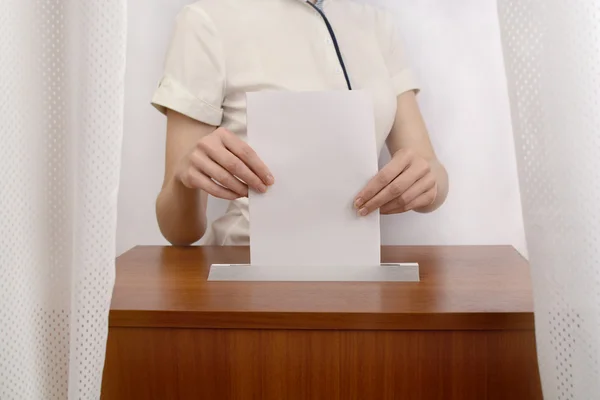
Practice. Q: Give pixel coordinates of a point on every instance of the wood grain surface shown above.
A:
(461, 288)
(465, 332)
(164, 364)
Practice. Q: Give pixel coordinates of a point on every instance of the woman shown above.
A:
(222, 49)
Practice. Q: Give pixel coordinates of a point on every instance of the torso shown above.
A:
(285, 45)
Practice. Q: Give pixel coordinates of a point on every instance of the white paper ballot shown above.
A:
(321, 149)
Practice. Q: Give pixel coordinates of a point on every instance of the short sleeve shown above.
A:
(194, 71)
(394, 54)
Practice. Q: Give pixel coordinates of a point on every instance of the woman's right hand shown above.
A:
(224, 158)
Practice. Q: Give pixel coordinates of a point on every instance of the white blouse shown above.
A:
(222, 49)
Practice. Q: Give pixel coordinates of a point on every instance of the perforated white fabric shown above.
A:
(61, 99)
(552, 55)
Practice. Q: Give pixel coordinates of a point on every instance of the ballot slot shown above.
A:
(389, 272)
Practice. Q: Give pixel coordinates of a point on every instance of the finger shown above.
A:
(213, 170)
(425, 200)
(395, 189)
(417, 189)
(383, 179)
(392, 211)
(196, 179)
(236, 167)
(245, 153)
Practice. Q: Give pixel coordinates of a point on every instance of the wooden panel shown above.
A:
(164, 364)
(480, 287)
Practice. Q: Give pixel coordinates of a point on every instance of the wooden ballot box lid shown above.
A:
(461, 288)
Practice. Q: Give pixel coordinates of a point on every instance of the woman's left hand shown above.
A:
(405, 183)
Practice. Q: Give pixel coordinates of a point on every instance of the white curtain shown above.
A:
(62, 66)
(552, 56)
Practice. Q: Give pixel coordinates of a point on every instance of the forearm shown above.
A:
(442, 187)
(181, 213)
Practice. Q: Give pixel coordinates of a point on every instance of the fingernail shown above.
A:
(270, 179)
(262, 189)
(358, 202)
(363, 212)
